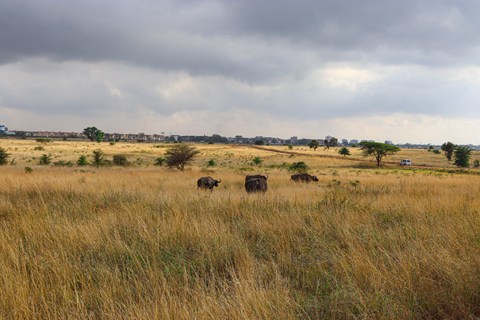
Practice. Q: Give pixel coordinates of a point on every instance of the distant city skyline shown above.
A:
(380, 70)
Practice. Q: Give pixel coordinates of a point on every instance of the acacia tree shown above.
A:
(448, 148)
(462, 156)
(93, 133)
(314, 144)
(378, 150)
(180, 155)
(344, 151)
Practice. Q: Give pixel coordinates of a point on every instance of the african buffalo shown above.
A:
(303, 177)
(255, 176)
(256, 183)
(208, 183)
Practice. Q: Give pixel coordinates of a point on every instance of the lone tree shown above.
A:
(180, 155)
(314, 144)
(462, 156)
(344, 151)
(378, 150)
(326, 143)
(333, 142)
(448, 148)
(93, 133)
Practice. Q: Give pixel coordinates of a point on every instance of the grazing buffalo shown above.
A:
(255, 176)
(256, 183)
(208, 183)
(303, 177)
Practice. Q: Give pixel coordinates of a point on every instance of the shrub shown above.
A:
(3, 156)
(39, 148)
(211, 163)
(28, 170)
(112, 143)
(62, 163)
(82, 160)
(436, 151)
(159, 161)
(300, 167)
(476, 163)
(98, 157)
(45, 159)
(290, 147)
(120, 159)
(43, 140)
(257, 161)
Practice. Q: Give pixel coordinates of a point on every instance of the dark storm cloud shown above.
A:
(221, 63)
(246, 40)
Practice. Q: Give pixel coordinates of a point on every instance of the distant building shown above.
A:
(294, 139)
(344, 142)
(354, 141)
(388, 142)
(328, 138)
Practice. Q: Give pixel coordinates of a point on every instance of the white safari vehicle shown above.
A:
(406, 162)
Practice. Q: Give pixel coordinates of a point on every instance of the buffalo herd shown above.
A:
(253, 183)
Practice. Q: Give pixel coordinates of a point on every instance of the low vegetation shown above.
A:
(363, 242)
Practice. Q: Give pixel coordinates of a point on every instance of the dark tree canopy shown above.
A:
(314, 144)
(462, 156)
(448, 148)
(180, 155)
(344, 151)
(378, 150)
(333, 142)
(326, 143)
(93, 133)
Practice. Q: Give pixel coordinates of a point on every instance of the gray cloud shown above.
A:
(289, 62)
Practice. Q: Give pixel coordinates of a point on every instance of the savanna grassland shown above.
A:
(141, 242)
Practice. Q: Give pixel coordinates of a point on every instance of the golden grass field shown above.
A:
(142, 242)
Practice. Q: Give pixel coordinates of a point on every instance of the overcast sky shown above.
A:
(406, 71)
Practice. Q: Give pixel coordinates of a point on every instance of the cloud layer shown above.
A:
(275, 68)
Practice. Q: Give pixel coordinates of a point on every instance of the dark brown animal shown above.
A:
(256, 183)
(303, 177)
(207, 183)
(255, 176)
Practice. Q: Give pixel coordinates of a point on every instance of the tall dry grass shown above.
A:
(143, 242)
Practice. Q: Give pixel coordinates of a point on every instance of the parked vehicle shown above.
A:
(406, 162)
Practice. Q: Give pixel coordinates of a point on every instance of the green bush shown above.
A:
(257, 161)
(159, 161)
(82, 160)
(45, 159)
(62, 163)
(476, 163)
(120, 159)
(211, 163)
(43, 140)
(300, 167)
(98, 158)
(3, 156)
